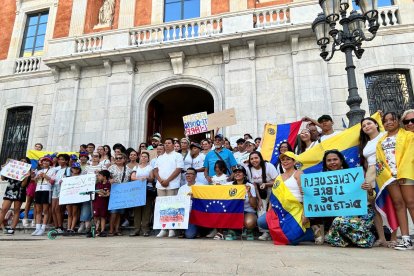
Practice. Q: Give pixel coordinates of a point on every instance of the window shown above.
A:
(380, 3)
(34, 34)
(181, 9)
(389, 91)
(16, 133)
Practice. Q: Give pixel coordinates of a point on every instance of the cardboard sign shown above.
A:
(127, 195)
(334, 193)
(221, 119)
(172, 212)
(72, 187)
(195, 123)
(15, 169)
(152, 153)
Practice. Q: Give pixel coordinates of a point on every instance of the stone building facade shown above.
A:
(157, 61)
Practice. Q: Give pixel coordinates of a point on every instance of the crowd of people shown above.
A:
(181, 163)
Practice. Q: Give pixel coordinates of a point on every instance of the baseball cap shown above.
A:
(251, 141)
(219, 136)
(239, 168)
(197, 145)
(290, 155)
(325, 118)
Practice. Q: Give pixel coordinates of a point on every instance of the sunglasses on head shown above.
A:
(406, 122)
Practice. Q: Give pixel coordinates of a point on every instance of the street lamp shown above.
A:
(347, 39)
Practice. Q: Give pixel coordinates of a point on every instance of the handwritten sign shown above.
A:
(72, 187)
(195, 123)
(172, 212)
(334, 193)
(127, 195)
(15, 169)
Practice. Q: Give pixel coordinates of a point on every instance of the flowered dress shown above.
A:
(352, 230)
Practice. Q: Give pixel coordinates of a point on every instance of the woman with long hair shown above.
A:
(283, 147)
(305, 141)
(395, 159)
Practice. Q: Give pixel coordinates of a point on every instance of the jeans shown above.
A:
(191, 232)
(262, 223)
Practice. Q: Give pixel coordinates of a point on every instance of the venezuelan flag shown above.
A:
(274, 135)
(346, 142)
(218, 206)
(285, 217)
(35, 155)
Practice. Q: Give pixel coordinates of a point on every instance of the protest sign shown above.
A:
(195, 123)
(334, 193)
(127, 195)
(15, 169)
(72, 187)
(172, 212)
(221, 119)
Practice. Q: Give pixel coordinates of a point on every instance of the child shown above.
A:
(73, 210)
(100, 205)
(220, 178)
(43, 194)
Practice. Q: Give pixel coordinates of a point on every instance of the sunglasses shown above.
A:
(406, 122)
(119, 158)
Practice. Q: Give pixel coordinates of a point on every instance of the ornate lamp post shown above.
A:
(347, 39)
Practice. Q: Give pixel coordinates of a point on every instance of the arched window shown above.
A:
(16, 133)
(389, 90)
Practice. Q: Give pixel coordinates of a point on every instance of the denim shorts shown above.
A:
(86, 212)
(118, 211)
(56, 190)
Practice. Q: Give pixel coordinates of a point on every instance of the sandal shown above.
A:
(392, 244)
(249, 235)
(218, 236)
(110, 234)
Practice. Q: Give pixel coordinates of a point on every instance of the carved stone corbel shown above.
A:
(294, 43)
(130, 65)
(108, 67)
(226, 52)
(76, 71)
(252, 49)
(55, 72)
(177, 62)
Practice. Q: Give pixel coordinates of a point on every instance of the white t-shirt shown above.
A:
(247, 207)
(239, 156)
(42, 183)
(196, 163)
(93, 169)
(167, 164)
(61, 173)
(220, 179)
(256, 175)
(184, 190)
(143, 172)
(324, 137)
(388, 146)
(370, 149)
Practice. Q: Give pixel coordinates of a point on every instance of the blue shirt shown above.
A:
(211, 159)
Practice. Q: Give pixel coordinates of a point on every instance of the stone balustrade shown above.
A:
(88, 43)
(26, 65)
(388, 16)
(271, 17)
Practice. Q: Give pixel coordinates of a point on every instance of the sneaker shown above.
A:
(212, 234)
(5, 230)
(125, 224)
(404, 244)
(249, 235)
(60, 230)
(34, 233)
(25, 222)
(264, 237)
(103, 234)
(10, 231)
(162, 234)
(81, 227)
(39, 232)
(171, 233)
(33, 223)
(231, 236)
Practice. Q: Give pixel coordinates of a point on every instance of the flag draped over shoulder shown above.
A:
(35, 155)
(285, 218)
(274, 135)
(346, 142)
(218, 206)
(404, 155)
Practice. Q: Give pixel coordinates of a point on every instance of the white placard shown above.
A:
(172, 212)
(15, 169)
(72, 187)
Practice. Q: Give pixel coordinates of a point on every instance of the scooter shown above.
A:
(53, 234)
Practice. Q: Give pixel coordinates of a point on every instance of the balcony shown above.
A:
(194, 36)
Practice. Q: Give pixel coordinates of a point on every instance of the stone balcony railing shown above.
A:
(26, 65)
(388, 16)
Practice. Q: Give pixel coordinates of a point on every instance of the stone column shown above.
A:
(126, 14)
(205, 8)
(78, 17)
(157, 15)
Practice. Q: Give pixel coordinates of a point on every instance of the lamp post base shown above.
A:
(355, 116)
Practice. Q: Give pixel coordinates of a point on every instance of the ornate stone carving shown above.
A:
(106, 14)
(177, 62)
(108, 67)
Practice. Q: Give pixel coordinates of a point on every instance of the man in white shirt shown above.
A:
(241, 150)
(167, 172)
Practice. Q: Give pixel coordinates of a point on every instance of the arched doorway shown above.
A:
(165, 111)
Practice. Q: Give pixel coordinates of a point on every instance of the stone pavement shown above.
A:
(25, 255)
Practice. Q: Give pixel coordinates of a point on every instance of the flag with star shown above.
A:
(274, 135)
(218, 206)
(346, 142)
(285, 218)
